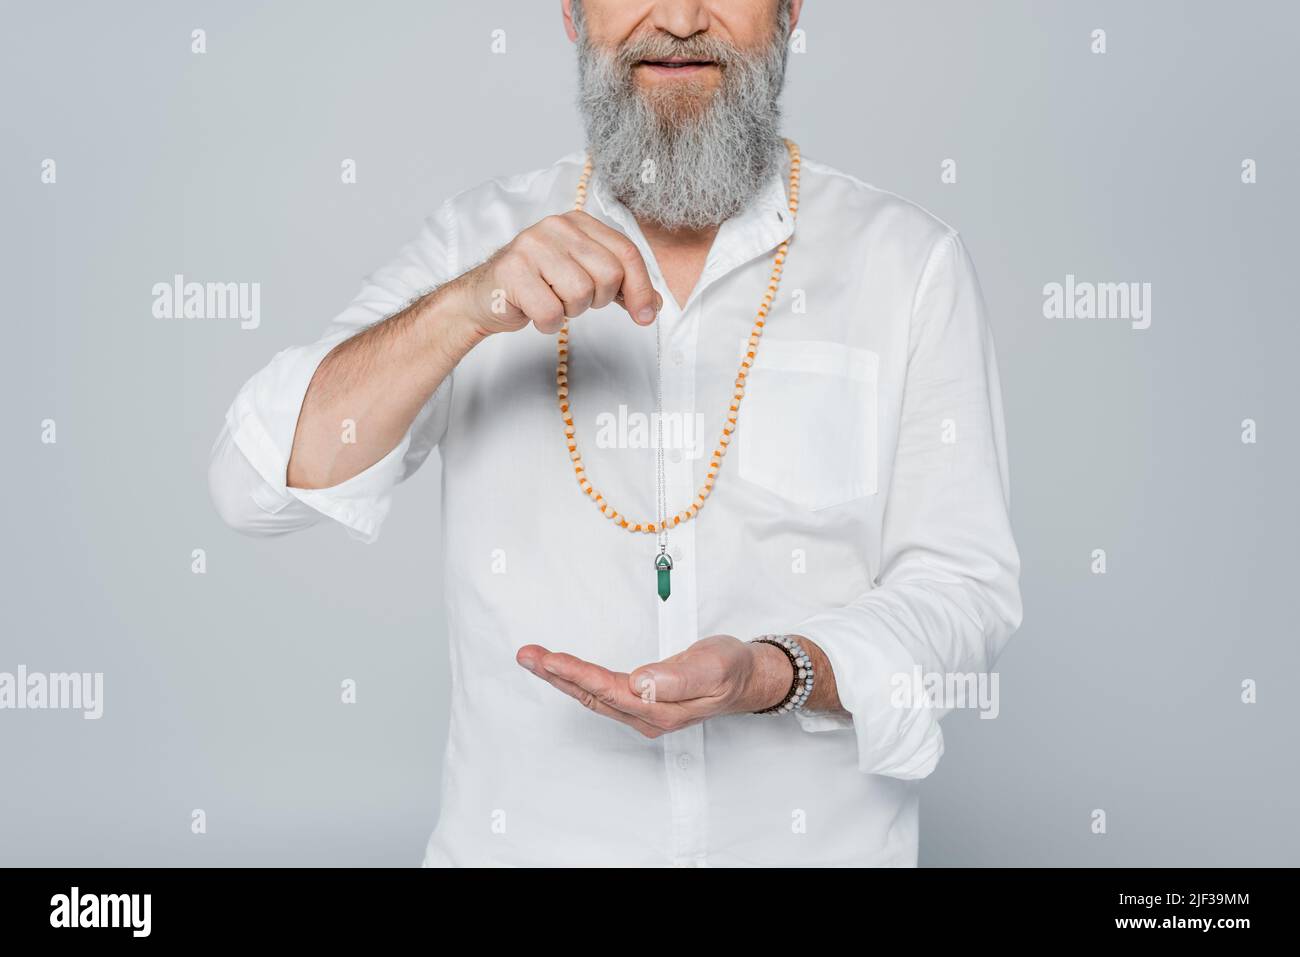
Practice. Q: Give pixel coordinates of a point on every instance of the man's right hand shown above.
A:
(557, 268)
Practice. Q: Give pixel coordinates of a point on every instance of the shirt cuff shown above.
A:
(895, 738)
(262, 422)
(814, 721)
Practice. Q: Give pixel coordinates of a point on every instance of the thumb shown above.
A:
(658, 304)
(668, 681)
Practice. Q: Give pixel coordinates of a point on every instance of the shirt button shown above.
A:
(684, 762)
(675, 455)
(678, 357)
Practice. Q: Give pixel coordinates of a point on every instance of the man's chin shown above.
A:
(679, 100)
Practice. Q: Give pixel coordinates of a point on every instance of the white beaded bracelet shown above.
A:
(801, 686)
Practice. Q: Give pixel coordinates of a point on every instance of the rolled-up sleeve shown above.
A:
(247, 472)
(947, 598)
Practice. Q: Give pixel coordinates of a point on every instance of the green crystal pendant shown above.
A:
(664, 568)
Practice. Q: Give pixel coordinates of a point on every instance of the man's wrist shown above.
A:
(772, 675)
(447, 318)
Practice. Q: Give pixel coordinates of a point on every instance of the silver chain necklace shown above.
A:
(663, 562)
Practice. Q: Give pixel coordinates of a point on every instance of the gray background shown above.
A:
(1122, 691)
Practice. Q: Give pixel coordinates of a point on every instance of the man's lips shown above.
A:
(675, 66)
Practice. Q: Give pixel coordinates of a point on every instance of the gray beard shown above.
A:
(668, 159)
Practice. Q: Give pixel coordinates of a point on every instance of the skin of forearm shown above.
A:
(378, 379)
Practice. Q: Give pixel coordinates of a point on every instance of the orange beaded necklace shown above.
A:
(663, 563)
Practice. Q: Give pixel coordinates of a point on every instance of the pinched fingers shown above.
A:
(636, 293)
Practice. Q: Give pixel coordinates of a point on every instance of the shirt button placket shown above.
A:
(678, 619)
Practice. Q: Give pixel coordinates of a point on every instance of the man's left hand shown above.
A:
(715, 676)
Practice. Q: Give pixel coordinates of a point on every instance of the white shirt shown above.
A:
(863, 504)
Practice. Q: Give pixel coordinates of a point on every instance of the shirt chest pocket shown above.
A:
(807, 426)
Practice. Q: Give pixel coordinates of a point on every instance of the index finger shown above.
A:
(611, 687)
(638, 292)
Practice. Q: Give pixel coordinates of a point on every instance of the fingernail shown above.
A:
(645, 316)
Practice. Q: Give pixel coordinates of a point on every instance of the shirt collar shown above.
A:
(760, 227)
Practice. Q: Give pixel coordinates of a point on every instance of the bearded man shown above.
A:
(739, 611)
